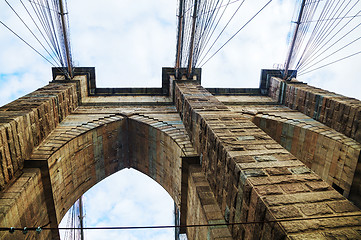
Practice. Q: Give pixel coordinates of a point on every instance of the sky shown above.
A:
(128, 42)
(128, 198)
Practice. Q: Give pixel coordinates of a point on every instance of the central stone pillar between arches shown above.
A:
(254, 179)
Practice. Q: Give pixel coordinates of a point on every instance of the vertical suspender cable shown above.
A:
(180, 38)
(81, 218)
(65, 35)
(294, 39)
(191, 47)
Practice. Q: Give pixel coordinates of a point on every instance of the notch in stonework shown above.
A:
(266, 74)
(186, 163)
(42, 164)
(182, 74)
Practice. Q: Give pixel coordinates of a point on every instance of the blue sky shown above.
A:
(129, 42)
(128, 198)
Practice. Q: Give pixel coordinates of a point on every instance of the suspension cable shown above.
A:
(50, 20)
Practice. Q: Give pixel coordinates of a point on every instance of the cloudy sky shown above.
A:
(128, 198)
(129, 42)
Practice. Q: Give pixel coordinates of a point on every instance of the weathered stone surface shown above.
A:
(287, 188)
(23, 203)
(203, 209)
(315, 209)
(244, 175)
(343, 206)
(285, 212)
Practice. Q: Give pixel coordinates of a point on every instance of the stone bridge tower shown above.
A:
(283, 158)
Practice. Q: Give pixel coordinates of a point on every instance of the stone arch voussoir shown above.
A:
(80, 154)
(330, 154)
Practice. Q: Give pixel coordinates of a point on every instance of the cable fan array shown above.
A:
(327, 33)
(201, 23)
(46, 24)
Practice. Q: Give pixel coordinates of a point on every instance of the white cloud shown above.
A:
(129, 43)
(259, 45)
(16, 85)
(129, 198)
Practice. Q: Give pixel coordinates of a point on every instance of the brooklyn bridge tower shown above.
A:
(281, 161)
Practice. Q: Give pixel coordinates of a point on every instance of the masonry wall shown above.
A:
(203, 209)
(341, 114)
(87, 148)
(73, 150)
(255, 179)
(156, 154)
(24, 123)
(22, 204)
(336, 111)
(83, 162)
(331, 154)
(52, 151)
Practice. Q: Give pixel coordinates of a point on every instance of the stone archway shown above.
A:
(63, 147)
(330, 154)
(92, 156)
(85, 149)
(245, 177)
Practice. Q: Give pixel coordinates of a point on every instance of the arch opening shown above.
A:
(87, 159)
(127, 198)
(114, 147)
